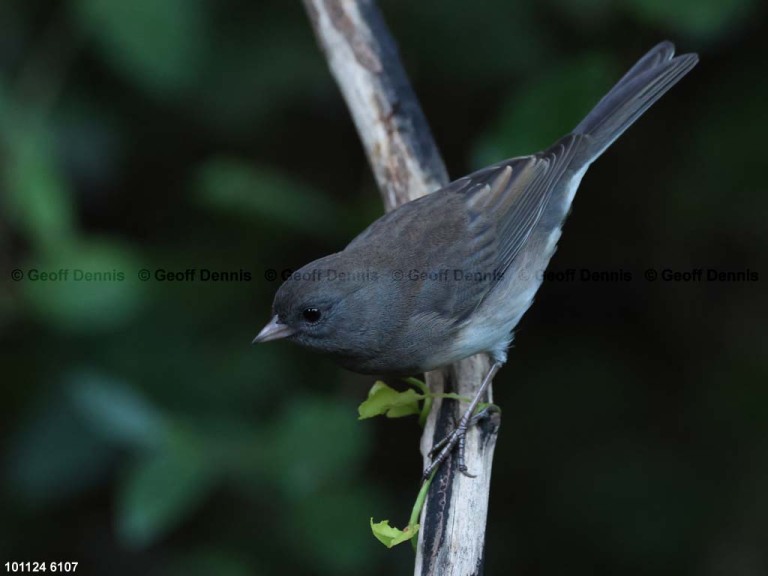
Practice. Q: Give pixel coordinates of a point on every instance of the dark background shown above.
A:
(142, 434)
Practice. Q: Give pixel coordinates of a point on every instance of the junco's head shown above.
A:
(332, 305)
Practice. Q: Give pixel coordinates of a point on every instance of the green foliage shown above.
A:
(39, 198)
(331, 526)
(391, 536)
(230, 98)
(311, 442)
(118, 413)
(69, 300)
(385, 400)
(160, 489)
(265, 195)
(159, 46)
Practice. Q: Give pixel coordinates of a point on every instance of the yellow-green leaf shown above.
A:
(385, 400)
(391, 536)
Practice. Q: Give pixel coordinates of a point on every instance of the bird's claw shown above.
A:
(443, 449)
(459, 435)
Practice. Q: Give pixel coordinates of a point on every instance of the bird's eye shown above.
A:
(311, 315)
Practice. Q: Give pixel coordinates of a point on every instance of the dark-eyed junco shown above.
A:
(450, 274)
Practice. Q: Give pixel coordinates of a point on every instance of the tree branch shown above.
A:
(406, 163)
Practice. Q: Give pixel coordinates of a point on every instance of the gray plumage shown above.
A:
(485, 239)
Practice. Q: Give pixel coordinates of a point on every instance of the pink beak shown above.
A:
(273, 331)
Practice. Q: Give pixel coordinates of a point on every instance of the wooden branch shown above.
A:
(406, 163)
(363, 58)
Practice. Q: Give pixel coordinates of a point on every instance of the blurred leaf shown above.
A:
(697, 18)
(118, 412)
(66, 298)
(39, 199)
(160, 490)
(157, 45)
(316, 442)
(546, 108)
(384, 400)
(56, 456)
(244, 84)
(235, 186)
(391, 536)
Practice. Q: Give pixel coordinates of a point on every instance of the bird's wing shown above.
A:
(471, 231)
(512, 195)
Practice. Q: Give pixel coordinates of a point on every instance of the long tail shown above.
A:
(638, 90)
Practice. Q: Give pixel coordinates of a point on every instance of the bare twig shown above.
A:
(406, 163)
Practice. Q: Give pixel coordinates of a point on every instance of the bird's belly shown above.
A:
(491, 326)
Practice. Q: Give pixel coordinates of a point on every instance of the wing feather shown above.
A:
(471, 231)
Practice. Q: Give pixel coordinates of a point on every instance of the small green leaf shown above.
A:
(426, 406)
(391, 536)
(404, 410)
(385, 400)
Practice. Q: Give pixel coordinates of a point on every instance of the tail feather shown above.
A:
(662, 52)
(646, 82)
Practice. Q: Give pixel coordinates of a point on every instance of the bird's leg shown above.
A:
(458, 436)
(482, 415)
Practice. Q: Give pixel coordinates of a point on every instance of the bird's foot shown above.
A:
(456, 440)
(443, 448)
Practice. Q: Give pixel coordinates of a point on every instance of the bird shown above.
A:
(449, 275)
